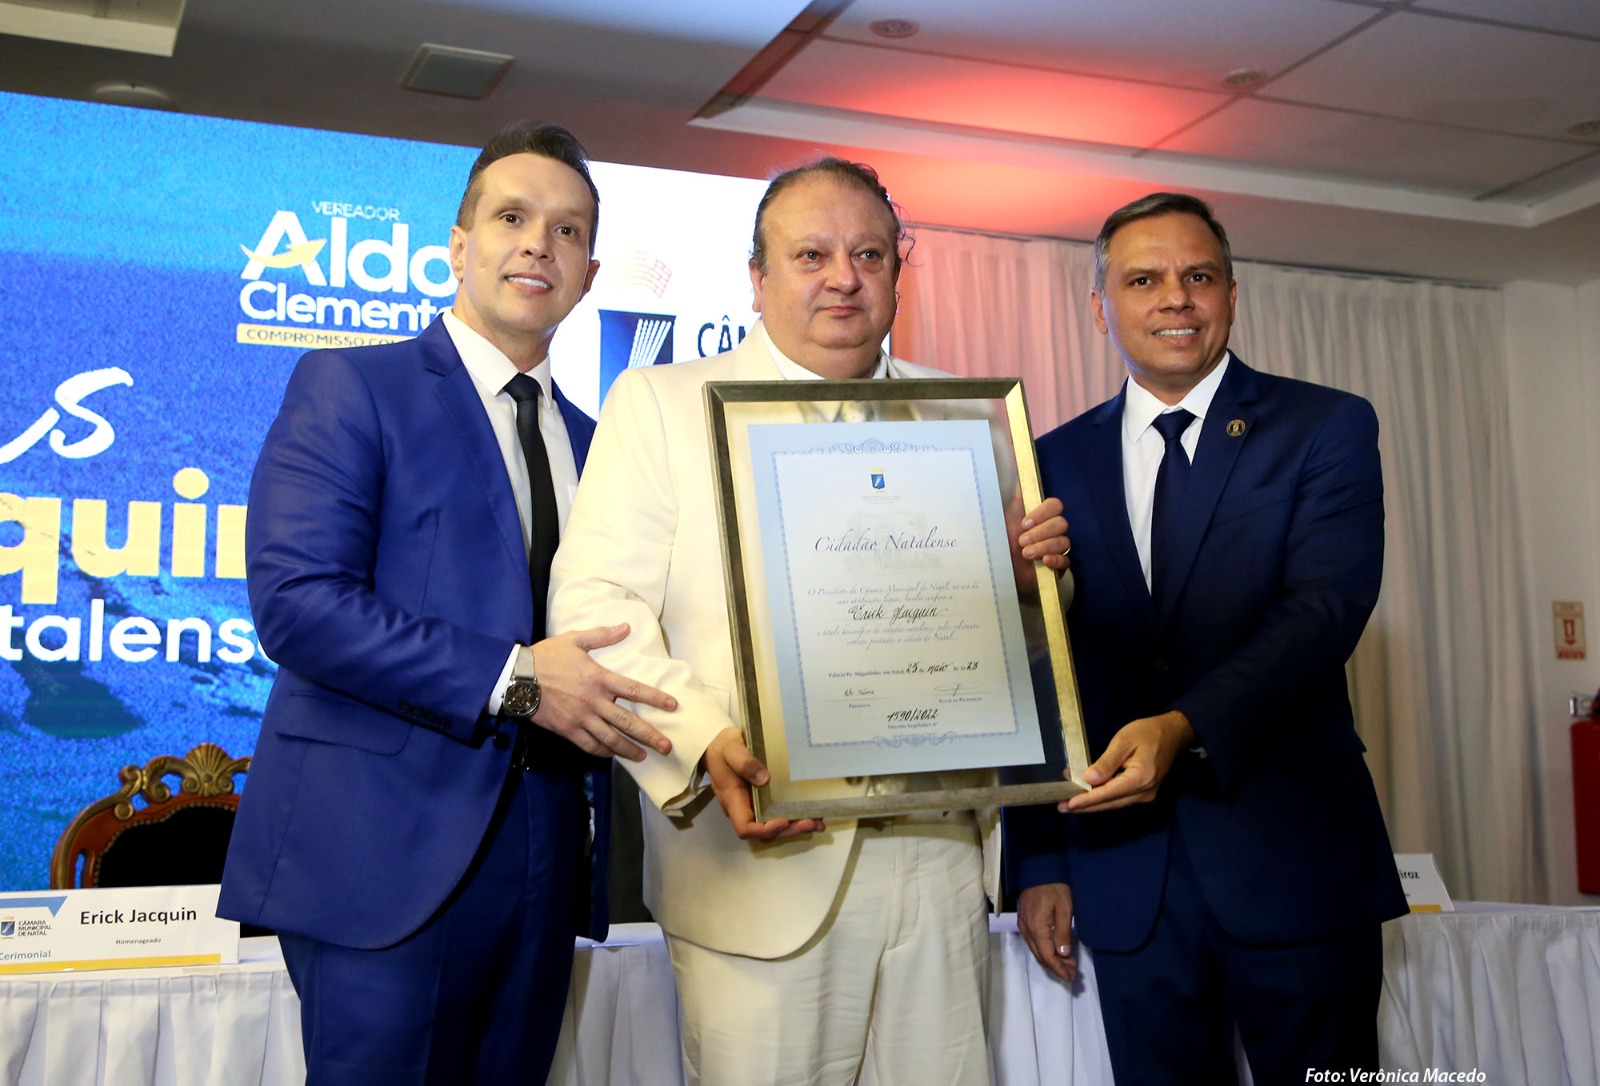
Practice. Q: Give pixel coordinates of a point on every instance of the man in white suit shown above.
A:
(855, 951)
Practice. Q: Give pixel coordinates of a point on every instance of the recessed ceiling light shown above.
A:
(142, 95)
(1243, 77)
(893, 28)
(1586, 129)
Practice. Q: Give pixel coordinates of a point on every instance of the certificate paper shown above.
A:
(899, 639)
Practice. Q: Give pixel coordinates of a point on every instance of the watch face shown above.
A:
(522, 698)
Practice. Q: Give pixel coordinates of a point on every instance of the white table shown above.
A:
(210, 1025)
(1513, 991)
(1509, 990)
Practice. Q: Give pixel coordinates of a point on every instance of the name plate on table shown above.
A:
(893, 654)
(52, 931)
(1424, 887)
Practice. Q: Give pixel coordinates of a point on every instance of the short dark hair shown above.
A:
(856, 174)
(543, 138)
(1148, 207)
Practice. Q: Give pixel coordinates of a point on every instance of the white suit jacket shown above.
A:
(643, 547)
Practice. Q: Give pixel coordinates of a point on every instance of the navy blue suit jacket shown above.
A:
(389, 580)
(1278, 562)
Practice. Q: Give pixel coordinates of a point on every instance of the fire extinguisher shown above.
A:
(1586, 796)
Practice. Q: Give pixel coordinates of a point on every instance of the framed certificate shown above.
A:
(894, 653)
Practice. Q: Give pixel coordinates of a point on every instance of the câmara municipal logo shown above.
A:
(629, 339)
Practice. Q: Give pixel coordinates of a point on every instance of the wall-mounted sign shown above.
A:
(1569, 630)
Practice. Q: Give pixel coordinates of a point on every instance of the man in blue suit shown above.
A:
(1229, 866)
(416, 826)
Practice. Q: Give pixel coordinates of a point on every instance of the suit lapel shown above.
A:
(1218, 450)
(752, 359)
(1104, 450)
(473, 435)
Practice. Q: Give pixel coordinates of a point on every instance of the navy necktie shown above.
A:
(1171, 478)
(545, 529)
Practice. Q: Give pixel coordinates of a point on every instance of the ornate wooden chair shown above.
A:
(176, 838)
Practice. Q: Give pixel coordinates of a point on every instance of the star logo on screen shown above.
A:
(292, 257)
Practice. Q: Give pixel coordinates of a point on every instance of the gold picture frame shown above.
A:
(863, 563)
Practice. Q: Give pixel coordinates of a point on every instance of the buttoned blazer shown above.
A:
(1278, 562)
(389, 580)
(643, 547)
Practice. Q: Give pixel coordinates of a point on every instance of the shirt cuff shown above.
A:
(498, 694)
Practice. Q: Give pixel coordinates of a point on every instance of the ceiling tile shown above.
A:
(1434, 69)
(602, 48)
(1159, 41)
(946, 90)
(1566, 16)
(1371, 148)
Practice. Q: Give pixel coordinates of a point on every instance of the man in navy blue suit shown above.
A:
(1229, 866)
(417, 822)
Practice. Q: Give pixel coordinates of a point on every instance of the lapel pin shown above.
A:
(1236, 428)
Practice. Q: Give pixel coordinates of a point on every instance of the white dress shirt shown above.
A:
(1143, 448)
(794, 371)
(824, 410)
(490, 369)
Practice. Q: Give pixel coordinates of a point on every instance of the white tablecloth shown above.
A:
(1511, 991)
(200, 1026)
(622, 1016)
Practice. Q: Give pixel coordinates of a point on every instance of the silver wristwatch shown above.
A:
(523, 695)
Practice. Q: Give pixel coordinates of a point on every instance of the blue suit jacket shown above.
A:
(389, 580)
(1279, 561)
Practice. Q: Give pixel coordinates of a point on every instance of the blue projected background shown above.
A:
(159, 276)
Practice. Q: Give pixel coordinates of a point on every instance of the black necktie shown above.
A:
(545, 529)
(1171, 478)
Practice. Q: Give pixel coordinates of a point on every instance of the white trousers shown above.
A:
(892, 989)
